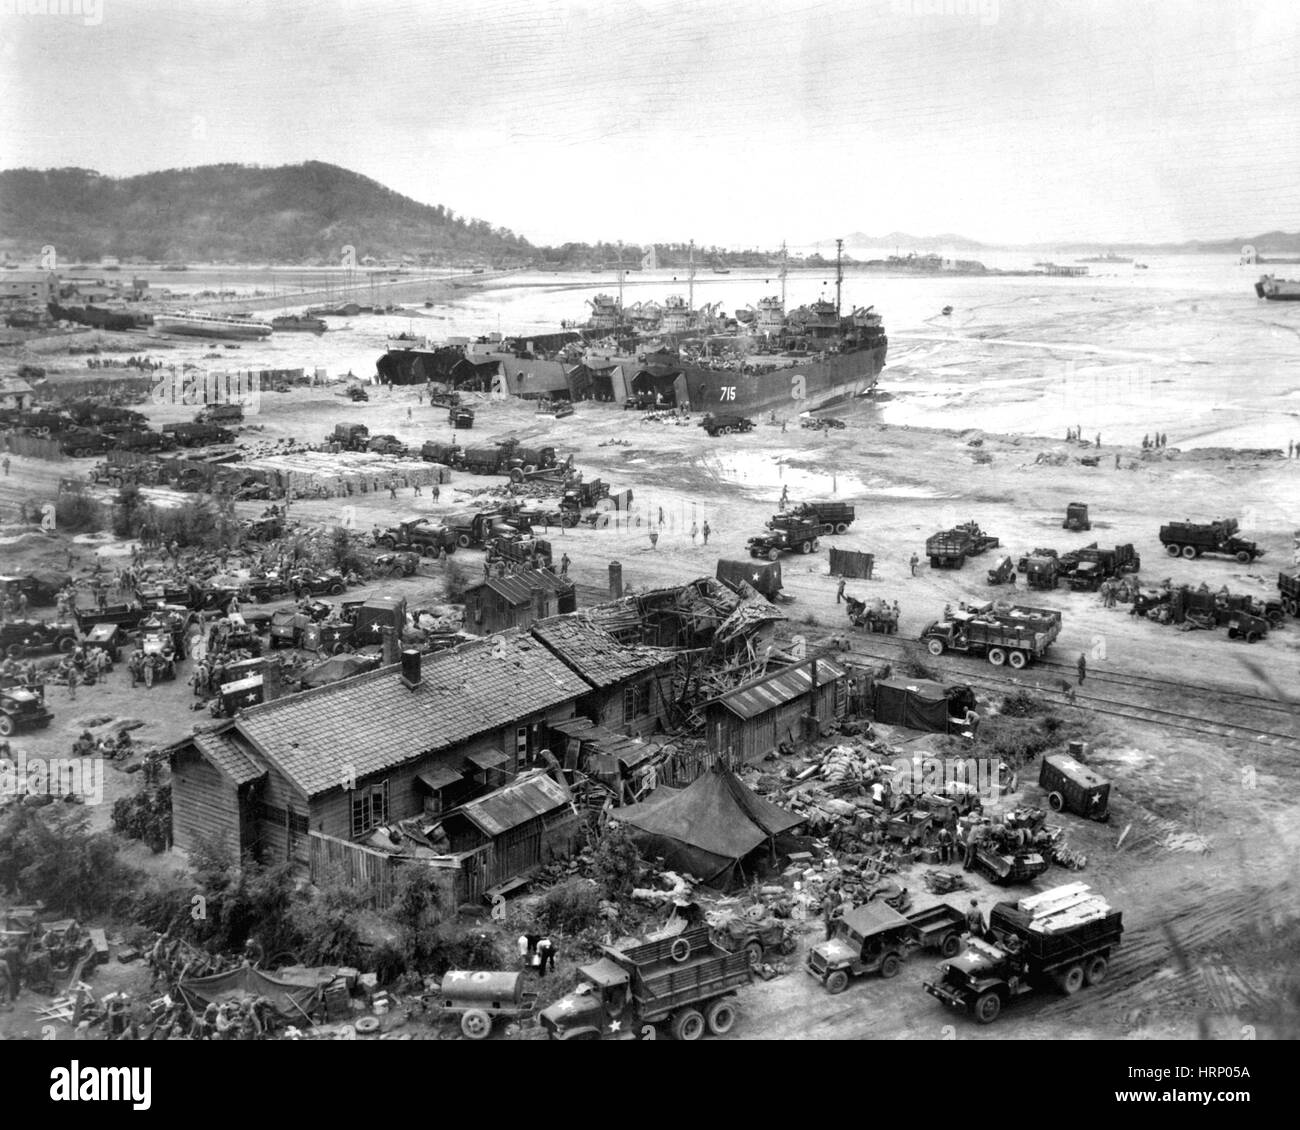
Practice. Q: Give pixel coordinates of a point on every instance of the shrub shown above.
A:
(615, 862)
(388, 962)
(1022, 705)
(569, 907)
(76, 512)
(455, 581)
(1015, 740)
(326, 924)
(145, 817)
(56, 860)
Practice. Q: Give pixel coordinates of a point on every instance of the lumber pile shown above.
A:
(1063, 908)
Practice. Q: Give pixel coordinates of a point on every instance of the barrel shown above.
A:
(482, 990)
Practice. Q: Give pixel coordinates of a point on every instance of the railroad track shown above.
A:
(1126, 710)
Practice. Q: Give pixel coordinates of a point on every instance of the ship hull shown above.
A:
(223, 333)
(800, 388)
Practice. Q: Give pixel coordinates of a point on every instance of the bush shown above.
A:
(1015, 740)
(326, 925)
(342, 552)
(455, 582)
(1022, 705)
(56, 860)
(615, 862)
(570, 907)
(196, 522)
(76, 512)
(388, 963)
(145, 817)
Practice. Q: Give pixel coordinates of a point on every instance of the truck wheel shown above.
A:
(1172, 549)
(680, 950)
(66, 644)
(837, 981)
(336, 589)
(987, 1007)
(727, 431)
(262, 596)
(688, 1024)
(950, 946)
(891, 965)
(1056, 801)
(1016, 659)
(1095, 974)
(463, 541)
(720, 1017)
(754, 951)
(476, 1024)
(997, 656)
(841, 527)
(773, 554)
(805, 547)
(935, 647)
(1189, 552)
(1232, 633)
(1252, 637)
(6, 726)
(516, 475)
(816, 544)
(1243, 557)
(1071, 981)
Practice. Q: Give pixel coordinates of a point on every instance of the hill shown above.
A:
(1269, 243)
(236, 213)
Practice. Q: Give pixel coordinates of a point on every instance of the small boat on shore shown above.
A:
(298, 323)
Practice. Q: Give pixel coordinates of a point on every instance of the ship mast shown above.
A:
(784, 272)
(690, 293)
(839, 274)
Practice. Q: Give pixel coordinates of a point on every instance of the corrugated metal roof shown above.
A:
(515, 804)
(764, 694)
(487, 758)
(439, 777)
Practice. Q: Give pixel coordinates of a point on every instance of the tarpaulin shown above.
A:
(918, 704)
(293, 1000)
(706, 828)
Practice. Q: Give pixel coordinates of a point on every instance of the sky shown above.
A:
(733, 123)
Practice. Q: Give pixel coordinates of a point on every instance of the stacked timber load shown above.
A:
(353, 472)
(1063, 908)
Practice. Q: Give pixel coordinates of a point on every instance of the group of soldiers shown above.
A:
(34, 965)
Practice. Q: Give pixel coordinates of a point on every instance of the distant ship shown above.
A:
(346, 310)
(1109, 257)
(694, 359)
(298, 323)
(1277, 290)
(195, 323)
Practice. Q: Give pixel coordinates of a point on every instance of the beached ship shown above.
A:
(298, 323)
(196, 323)
(800, 360)
(1277, 290)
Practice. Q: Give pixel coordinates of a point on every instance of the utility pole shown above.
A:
(784, 272)
(690, 292)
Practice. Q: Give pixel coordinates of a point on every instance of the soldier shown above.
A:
(944, 841)
(704, 529)
(839, 591)
(975, 920)
(1082, 666)
(564, 565)
(914, 562)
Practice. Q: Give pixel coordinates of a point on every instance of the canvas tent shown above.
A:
(294, 1000)
(919, 704)
(707, 828)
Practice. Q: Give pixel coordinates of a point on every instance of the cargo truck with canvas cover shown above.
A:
(1011, 634)
(1191, 539)
(687, 980)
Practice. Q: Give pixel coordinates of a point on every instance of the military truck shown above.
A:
(835, 517)
(1093, 565)
(22, 708)
(419, 535)
(1015, 635)
(529, 552)
(876, 938)
(82, 443)
(476, 530)
(386, 445)
(197, 435)
(766, 579)
(461, 416)
(1041, 569)
(142, 439)
(1003, 572)
(792, 535)
(1076, 517)
(449, 454)
(949, 549)
(226, 414)
(23, 637)
(349, 437)
(1192, 539)
(725, 423)
(687, 981)
(1062, 938)
(1072, 787)
(582, 496)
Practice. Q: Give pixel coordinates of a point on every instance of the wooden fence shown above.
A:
(370, 871)
(34, 447)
